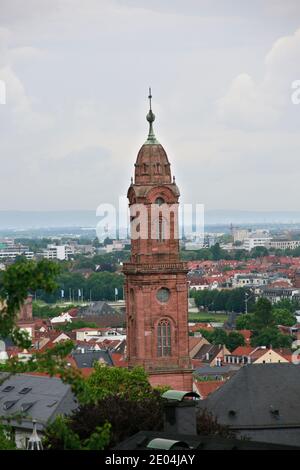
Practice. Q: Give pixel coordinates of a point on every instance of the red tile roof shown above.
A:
(87, 329)
(119, 360)
(247, 335)
(204, 388)
(242, 351)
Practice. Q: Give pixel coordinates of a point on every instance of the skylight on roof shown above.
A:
(8, 388)
(25, 390)
(26, 406)
(52, 403)
(9, 404)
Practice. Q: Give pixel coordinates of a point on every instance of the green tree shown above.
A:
(283, 316)
(102, 285)
(126, 416)
(259, 251)
(7, 441)
(60, 436)
(244, 322)
(121, 397)
(270, 336)
(48, 311)
(217, 252)
(291, 305)
(220, 300)
(206, 299)
(233, 340)
(96, 242)
(75, 325)
(15, 282)
(263, 314)
(117, 381)
(219, 337)
(236, 300)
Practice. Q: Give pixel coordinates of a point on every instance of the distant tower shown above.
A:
(296, 280)
(156, 286)
(25, 312)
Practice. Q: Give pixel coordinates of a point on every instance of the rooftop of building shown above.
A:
(36, 396)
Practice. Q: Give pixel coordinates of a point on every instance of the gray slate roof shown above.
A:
(87, 359)
(49, 396)
(97, 308)
(258, 395)
(216, 370)
(211, 349)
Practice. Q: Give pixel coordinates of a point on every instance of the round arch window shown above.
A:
(159, 201)
(163, 294)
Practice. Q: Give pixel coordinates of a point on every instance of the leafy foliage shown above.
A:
(290, 305)
(121, 397)
(223, 300)
(263, 314)
(263, 323)
(244, 322)
(74, 325)
(60, 436)
(98, 286)
(231, 340)
(271, 336)
(283, 316)
(48, 311)
(7, 441)
(126, 416)
(15, 283)
(122, 382)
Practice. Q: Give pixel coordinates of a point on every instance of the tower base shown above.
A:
(176, 379)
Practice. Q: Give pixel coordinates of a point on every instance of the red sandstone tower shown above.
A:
(156, 284)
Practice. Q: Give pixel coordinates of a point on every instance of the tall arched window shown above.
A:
(164, 338)
(160, 229)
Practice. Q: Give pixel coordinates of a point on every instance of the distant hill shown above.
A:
(24, 220)
(43, 219)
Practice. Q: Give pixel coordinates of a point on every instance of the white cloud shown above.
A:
(19, 107)
(261, 103)
(246, 104)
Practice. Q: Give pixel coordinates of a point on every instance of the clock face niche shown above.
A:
(163, 295)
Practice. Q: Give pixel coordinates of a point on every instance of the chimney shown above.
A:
(180, 412)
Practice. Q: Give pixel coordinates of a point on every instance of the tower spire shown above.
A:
(151, 118)
(150, 98)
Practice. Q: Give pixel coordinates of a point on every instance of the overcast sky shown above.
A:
(77, 74)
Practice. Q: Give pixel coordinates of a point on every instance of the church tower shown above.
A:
(156, 288)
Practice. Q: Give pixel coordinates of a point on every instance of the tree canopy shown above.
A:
(231, 340)
(15, 283)
(264, 324)
(229, 300)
